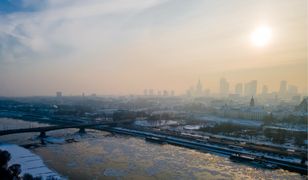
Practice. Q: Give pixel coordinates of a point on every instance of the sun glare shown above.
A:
(261, 36)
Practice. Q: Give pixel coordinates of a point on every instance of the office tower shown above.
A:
(283, 88)
(239, 89)
(198, 89)
(224, 87)
(251, 88)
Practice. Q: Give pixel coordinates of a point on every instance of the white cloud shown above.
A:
(64, 26)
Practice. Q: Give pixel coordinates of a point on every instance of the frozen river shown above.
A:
(100, 155)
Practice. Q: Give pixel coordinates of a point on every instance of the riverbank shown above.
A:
(103, 155)
(30, 163)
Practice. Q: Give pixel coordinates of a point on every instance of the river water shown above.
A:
(100, 155)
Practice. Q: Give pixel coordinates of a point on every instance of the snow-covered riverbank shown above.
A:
(30, 163)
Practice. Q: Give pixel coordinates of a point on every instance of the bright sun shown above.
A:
(261, 36)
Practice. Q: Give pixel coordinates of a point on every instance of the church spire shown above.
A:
(252, 102)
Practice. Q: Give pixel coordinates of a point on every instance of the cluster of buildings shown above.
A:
(198, 91)
(235, 104)
(251, 112)
(247, 89)
(242, 102)
(152, 92)
(60, 95)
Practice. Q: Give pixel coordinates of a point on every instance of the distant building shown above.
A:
(199, 89)
(252, 102)
(195, 91)
(251, 88)
(59, 94)
(239, 89)
(224, 87)
(283, 88)
(303, 106)
(296, 98)
(251, 112)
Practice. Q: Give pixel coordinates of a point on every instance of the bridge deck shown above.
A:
(52, 128)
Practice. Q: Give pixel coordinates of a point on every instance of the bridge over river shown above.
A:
(43, 130)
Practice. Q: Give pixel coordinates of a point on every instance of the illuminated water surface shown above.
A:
(100, 155)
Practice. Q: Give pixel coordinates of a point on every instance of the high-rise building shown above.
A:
(251, 88)
(224, 87)
(59, 94)
(283, 88)
(239, 89)
(198, 88)
(264, 89)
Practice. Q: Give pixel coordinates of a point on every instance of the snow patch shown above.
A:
(30, 163)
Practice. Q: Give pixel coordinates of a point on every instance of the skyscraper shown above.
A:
(239, 89)
(283, 88)
(224, 87)
(251, 88)
(198, 88)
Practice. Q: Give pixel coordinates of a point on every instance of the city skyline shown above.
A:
(249, 88)
(153, 89)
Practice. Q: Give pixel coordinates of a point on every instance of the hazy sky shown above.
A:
(125, 46)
